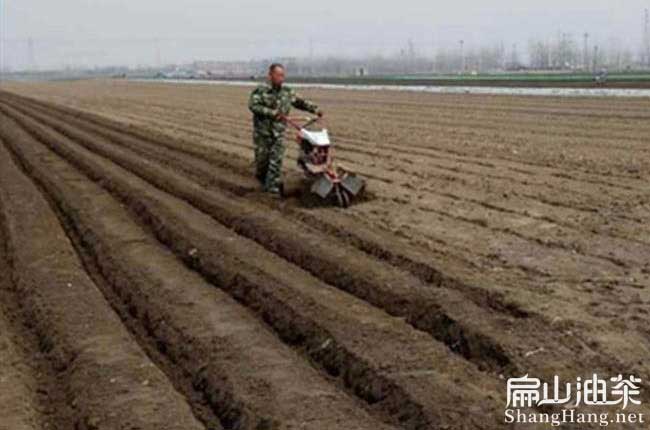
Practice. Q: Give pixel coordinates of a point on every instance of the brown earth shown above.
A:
(500, 236)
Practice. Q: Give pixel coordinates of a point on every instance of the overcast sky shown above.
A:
(133, 32)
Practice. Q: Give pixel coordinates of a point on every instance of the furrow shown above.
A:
(19, 406)
(109, 381)
(226, 175)
(399, 293)
(445, 314)
(384, 361)
(356, 233)
(251, 379)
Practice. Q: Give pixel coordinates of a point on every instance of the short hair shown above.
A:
(274, 66)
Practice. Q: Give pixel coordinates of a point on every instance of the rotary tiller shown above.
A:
(330, 181)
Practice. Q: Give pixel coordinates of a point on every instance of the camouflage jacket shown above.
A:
(266, 102)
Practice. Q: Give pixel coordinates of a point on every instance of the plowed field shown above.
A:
(146, 283)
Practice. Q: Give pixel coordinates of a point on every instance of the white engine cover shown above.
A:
(316, 138)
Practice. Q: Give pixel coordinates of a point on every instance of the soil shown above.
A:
(499, 236)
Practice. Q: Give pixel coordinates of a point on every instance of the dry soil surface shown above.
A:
(147, 283)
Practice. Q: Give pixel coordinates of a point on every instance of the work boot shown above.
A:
(275, 193)
(276, 189)
(261, 178)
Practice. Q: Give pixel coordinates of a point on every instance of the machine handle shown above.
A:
(295, 121)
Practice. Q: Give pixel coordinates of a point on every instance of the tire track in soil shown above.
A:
(593, 358)
(407, 371)
(256, 390)
(98, 369)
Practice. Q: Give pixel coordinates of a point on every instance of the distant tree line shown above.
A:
(564, 52)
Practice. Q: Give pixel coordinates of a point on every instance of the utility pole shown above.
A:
(646, 38)
(411, 46)
(563, 50)
(158, 55)
(514, 59)
(462, 56)
(585, 52)
(502, 56)
(31, 58)
(311, 56)
(595, 65)
(411, 56)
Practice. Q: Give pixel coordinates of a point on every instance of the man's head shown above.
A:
(277, 75)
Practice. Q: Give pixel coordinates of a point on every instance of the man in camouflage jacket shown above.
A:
(270, 103)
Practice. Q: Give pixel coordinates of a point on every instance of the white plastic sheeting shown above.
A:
(523, 91)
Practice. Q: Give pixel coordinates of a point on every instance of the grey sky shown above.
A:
(102, 32)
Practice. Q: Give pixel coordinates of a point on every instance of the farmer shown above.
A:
(271, 103)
